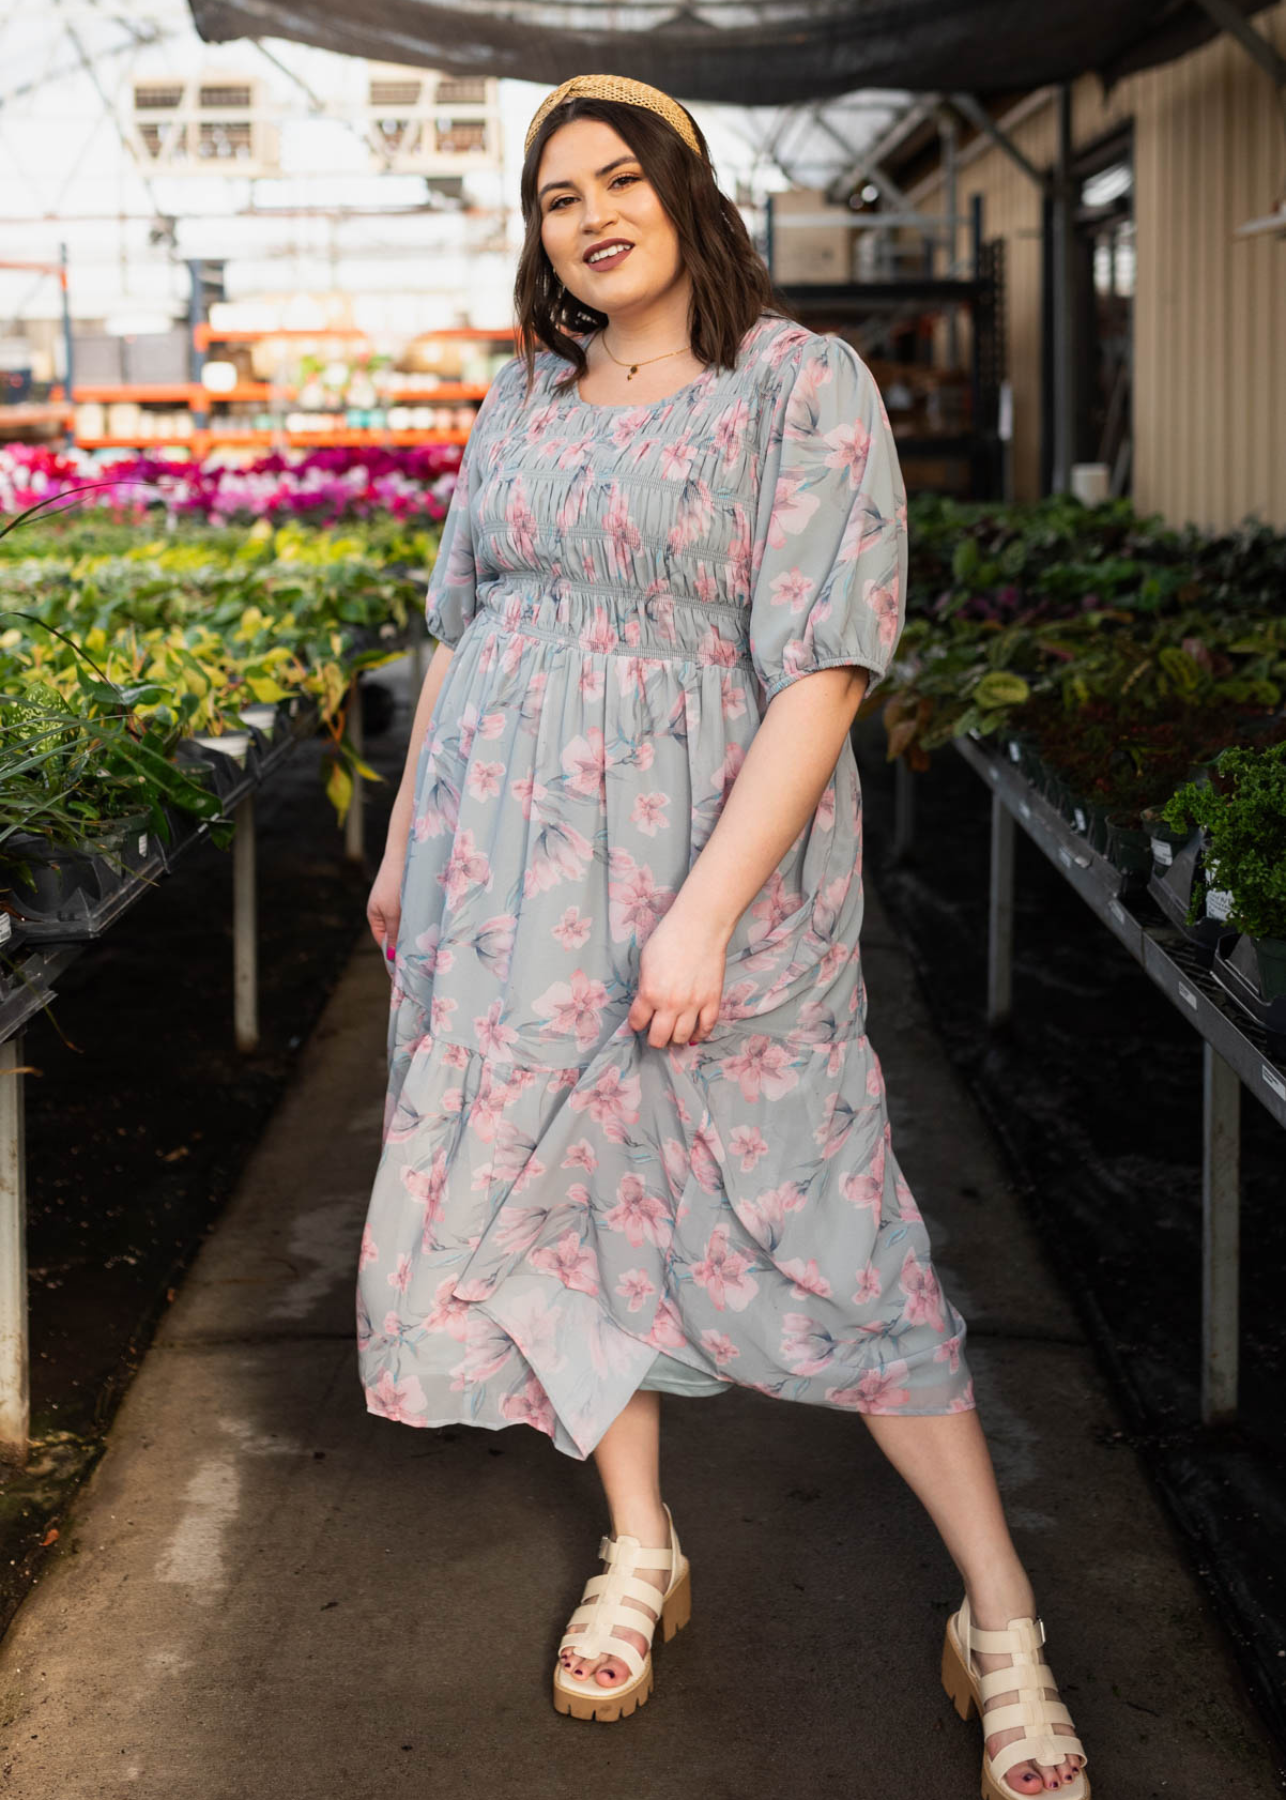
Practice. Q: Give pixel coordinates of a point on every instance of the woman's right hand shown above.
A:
(384, 907)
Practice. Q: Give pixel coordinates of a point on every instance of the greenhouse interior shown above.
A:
(271, 280)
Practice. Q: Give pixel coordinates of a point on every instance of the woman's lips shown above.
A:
(611, 262)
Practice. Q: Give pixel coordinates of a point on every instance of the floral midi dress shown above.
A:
(562, 1213)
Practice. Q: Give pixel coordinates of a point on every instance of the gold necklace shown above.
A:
(635, 367)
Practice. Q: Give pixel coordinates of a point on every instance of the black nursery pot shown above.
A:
(1172, 887)
(1252, 972)
(1129, 850)
(60, 891)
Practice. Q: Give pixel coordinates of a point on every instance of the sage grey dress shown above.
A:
(563, 1213)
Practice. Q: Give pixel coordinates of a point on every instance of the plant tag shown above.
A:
(1162, 852)
(1273, 1080)
(1187, 996)
(1078, 814)
(1064, 856)
(6, 928)
(1218, 903)
(142, 843)
(1015, 752)
(1024, 809)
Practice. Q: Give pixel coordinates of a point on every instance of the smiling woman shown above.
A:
(637, 1137)
(686, 286)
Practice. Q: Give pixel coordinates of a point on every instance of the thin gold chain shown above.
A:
(636, 366)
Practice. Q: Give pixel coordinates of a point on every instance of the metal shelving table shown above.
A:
(31, 982)
(1235, 1052)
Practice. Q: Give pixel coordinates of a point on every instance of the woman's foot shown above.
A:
(653, 1532)
(992, 1609)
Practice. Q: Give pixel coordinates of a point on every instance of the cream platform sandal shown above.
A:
(601, 1613)
(969, 1691)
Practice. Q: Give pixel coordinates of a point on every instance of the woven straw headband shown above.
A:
(615, 87)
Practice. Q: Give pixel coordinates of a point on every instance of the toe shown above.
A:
(1024, 1778)
(611, 1673)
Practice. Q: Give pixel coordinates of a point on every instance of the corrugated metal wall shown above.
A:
(1210, 310)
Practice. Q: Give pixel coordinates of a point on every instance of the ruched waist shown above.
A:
(619, 622)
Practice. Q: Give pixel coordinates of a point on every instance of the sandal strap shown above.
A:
(1022, 1637)
(1027, 1679)
(1050, 1750)
(614, 1550)
(617, 1587)
(611, 1647)
(1026, 1715)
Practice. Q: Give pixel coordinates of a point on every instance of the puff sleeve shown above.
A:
(830, 547)
(452, 595)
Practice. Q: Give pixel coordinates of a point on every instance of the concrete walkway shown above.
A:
(266, 1592)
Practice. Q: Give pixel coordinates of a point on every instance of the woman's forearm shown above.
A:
(399, 827)
(790, 760)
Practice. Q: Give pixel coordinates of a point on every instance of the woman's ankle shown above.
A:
(643, 1519)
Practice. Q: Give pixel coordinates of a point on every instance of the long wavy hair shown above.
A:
(731, 285)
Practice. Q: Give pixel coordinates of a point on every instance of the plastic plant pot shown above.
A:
(235, 744)
(261, 717)
(60, 891)
(1252, 971)
(1129, 850)
(1172, 891)
(1164, 840)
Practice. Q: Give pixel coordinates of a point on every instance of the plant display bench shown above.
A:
(1235, 1052)
(40, 951)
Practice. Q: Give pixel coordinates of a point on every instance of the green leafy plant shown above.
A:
(1242, 811)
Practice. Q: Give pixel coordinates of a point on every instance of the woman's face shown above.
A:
(592, 191)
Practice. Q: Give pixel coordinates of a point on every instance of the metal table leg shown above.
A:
(354, 823)
(1220, 1236)
(1000, 914)
(15, 1384)
(245, 945)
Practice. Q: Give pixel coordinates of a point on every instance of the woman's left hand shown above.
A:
(680, 980)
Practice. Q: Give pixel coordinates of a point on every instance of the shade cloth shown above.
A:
(745, 52)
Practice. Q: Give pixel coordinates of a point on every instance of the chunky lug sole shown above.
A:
(607, 1704)
(962, 1691)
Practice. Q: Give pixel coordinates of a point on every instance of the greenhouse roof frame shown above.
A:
(746, 52)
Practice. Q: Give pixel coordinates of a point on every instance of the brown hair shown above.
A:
(731, 285)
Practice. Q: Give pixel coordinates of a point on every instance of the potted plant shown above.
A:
(1242, 813)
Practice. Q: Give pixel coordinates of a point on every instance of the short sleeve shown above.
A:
(452, 596)
(830, 547)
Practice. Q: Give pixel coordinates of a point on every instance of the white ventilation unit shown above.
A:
(419, 122)
(212, 125)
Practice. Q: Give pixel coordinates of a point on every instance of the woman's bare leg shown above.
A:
(628, 1458)
(946, 1463)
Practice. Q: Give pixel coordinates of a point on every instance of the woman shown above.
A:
(636, 1137)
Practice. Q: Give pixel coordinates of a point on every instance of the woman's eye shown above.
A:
(555, 205)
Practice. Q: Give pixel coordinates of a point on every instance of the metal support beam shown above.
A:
(1220, 1236)
(245, 944)
(1000, 914)
(15, 1379)
(1064, 297)
(863, 165)
(354, 823)
(977, 115)
(1231, 19)
(884, 146)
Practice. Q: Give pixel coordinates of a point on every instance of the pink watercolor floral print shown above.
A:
(561, 1209)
